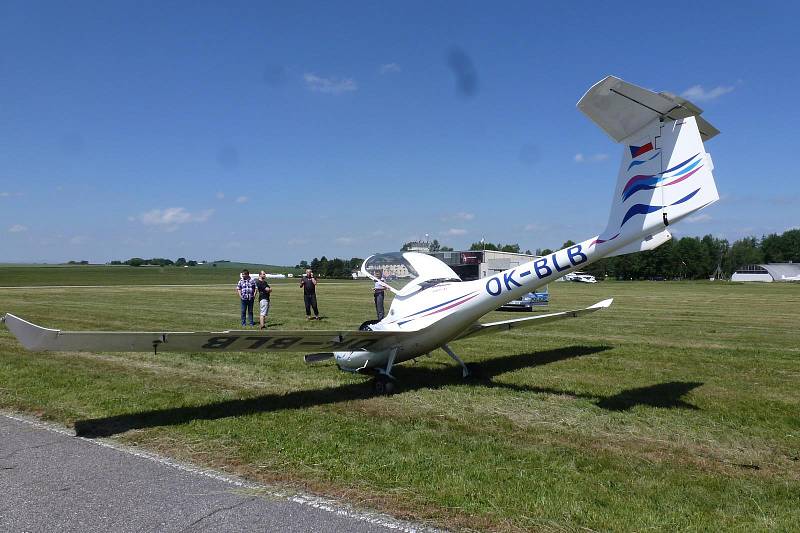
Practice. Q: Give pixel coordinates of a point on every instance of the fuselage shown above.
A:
(440, 313)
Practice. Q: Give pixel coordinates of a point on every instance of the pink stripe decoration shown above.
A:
(451, 305)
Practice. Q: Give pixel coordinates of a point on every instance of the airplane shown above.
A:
(580, 277)
(665, 175)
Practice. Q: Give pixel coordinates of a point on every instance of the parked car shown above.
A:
(528, 301)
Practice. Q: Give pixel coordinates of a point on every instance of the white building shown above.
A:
(768, 272)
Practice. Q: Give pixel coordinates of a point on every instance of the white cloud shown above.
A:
(170, 218)
(389, 68)
(454, 232)
(459, 216)
(329, 85)
(702, 217)
(696, 93)
(17, 228)
(242, 199)
(345, 241)
(4, 194)
(220, 196)
(596, 158)
(78, 239)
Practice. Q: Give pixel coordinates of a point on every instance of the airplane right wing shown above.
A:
(505, 325)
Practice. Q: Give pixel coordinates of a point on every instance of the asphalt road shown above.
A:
(51, 480)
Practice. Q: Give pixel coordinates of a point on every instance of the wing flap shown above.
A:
(505, 325)
(38, 338)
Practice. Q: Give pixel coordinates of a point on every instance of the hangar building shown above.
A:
(476, 264)
(768, 272)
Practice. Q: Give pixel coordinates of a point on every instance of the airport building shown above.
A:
(476, 264)
(768, 272)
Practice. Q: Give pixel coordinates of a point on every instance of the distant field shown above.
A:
(676, 409)
(24, 275)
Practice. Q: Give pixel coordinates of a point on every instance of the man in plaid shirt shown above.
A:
(246, 288)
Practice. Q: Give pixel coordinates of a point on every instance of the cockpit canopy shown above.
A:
(408, 272)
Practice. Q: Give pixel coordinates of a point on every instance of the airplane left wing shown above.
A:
(38, 338)
(505, 325)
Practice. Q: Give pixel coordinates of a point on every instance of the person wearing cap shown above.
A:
(246, 288)
(379, 290)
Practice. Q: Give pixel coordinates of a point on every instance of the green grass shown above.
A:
(678, 408)
(24, 275)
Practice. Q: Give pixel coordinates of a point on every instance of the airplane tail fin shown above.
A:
(665, 174)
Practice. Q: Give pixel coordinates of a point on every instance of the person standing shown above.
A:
(309, 285)
(263, 298)
(379, 290)
(246, 288)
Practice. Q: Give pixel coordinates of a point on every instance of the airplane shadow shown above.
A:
(409, 377)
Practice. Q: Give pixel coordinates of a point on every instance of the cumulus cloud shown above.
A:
(696, 93)
(242, 199)
(389, 68)
(329, 85)
(462, 215)
(702, 217)
(171, 218)
(455, 232)
(17, 228)
(596, 158)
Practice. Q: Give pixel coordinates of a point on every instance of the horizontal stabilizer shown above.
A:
(505, 325)
(38, 338)
(621, 109)
(651, 242)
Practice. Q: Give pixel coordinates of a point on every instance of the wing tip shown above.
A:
(603, 305)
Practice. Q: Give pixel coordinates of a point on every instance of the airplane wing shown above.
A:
(38, 338)
(505, 325)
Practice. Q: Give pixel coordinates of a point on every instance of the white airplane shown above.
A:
(665, 175)
(580, 277)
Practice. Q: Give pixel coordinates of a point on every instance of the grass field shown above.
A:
(676, 409)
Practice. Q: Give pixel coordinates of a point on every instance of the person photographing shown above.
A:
(309, 285)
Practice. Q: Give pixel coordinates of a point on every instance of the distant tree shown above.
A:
(445, 249)
(191, 263)
(115, 262)
(513, 248)
(528, 252)
(568, 244)
(543, 251)
(181, 261)
(135, 261)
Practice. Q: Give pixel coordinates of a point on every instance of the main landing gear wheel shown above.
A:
(383, 386)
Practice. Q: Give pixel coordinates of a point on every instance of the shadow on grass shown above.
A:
(410, 378)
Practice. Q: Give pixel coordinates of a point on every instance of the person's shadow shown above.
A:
(409, 378)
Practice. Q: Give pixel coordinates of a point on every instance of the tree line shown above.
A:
(155, 261)
(700, 257)
(332, 268)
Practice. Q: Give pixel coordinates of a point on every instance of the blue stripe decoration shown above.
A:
(634, 163)
(645, 209)
(653, 182)
(435, 306)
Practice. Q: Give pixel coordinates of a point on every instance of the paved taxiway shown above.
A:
(51, 480)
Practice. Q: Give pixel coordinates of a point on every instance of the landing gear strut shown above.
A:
(457, 359)
(384, 380)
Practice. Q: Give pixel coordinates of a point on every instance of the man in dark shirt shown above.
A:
(309, 284)
(263, 298)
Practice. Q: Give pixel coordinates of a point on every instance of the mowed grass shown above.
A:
(676, 409)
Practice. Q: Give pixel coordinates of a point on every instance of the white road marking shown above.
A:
(324, 504)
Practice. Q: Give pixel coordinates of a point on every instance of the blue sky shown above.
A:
(279, 132)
